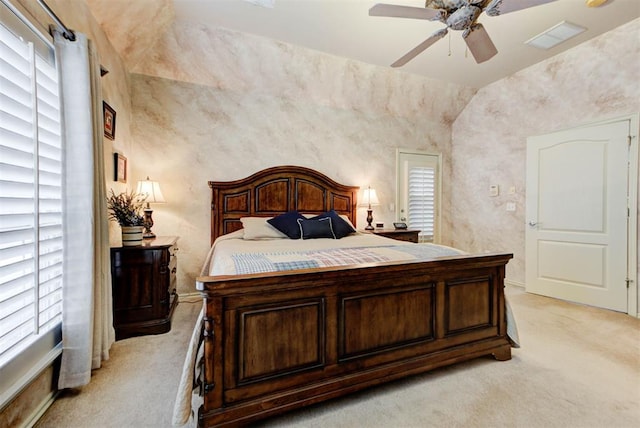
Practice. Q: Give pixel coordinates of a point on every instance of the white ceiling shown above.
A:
(344, 28)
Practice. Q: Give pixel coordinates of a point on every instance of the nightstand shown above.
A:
(409, 235)
(143, 280)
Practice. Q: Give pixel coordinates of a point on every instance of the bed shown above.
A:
(274, 341)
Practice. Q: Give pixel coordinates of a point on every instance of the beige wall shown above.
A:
(212, 104)
(594, 81)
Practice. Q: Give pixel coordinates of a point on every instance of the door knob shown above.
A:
(533, 223)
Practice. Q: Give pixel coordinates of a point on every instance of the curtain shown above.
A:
(103, 332)
(87, 327)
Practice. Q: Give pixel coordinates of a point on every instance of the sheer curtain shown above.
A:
(87, 327)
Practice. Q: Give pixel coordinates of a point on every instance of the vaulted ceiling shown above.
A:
(344, 28)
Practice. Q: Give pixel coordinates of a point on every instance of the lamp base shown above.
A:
(369, 219)
(148, 224)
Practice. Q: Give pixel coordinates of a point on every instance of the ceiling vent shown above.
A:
(555, 35)
(264, 3)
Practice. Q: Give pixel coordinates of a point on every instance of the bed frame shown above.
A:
(275, 342)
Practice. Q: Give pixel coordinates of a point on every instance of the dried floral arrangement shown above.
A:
(125, 208)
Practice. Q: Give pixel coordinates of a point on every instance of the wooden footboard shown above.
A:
(276, 342)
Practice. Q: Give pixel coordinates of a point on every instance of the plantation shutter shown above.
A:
(30, 189)
(418, 192)
(421, 201)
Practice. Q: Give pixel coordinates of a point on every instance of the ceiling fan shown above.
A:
(457, 15)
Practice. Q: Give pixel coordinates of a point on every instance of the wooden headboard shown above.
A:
(274, 191)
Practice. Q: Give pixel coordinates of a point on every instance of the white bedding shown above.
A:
(231, 251)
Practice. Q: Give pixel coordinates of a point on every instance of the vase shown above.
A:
(131, 236)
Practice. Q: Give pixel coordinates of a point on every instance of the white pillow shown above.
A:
(258, 228)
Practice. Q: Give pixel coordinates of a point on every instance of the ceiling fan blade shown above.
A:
(500, 7)
(395, 11)
(420, 48)
(479, 43)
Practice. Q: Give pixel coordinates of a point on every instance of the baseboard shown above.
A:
(194, 297)
(514, 283)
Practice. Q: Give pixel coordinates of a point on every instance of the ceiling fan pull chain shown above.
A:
(449, 44)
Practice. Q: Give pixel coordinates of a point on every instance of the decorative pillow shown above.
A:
(346, 219)
(316, 228)
(341, 227)
(258, 228)
(287, 223)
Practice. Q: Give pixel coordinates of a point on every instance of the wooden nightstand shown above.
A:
(409, 235)
(143, 280)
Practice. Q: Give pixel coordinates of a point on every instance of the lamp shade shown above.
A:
(150, 189)
(370, 198)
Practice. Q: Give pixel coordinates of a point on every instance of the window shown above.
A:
(30, 193)
(421, 206)
(418, 192)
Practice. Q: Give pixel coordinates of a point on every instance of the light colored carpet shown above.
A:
(578, 367)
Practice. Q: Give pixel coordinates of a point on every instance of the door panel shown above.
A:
(576, 242)
(572, 262)
(560, 204)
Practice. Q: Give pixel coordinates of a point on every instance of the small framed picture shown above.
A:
(120, 168)
(109, 121)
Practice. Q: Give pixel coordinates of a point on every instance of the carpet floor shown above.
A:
(578, 367)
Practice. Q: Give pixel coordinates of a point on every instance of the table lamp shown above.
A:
(369, 199)
(151, 191)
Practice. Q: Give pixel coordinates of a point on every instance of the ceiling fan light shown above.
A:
(595, 3)
(479, 43)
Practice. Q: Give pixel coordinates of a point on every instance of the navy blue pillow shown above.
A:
(340, 227)
(287, 223)
(316, 228)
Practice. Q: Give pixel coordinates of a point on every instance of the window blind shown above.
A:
(30, 190)
(421, 201)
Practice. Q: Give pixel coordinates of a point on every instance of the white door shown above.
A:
(576, 239)
(418, 192)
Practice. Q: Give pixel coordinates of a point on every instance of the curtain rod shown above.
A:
(67, 33)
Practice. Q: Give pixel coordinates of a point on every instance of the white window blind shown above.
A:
(30, 190)
(421, 201)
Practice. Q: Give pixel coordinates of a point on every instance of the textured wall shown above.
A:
(129, 37)
(212, 104)
(594, 81)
